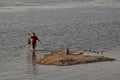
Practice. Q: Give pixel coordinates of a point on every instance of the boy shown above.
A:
(34, 39)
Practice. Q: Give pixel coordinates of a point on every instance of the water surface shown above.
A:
(60, 24)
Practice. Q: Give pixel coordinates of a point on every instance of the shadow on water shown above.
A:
(31, 65)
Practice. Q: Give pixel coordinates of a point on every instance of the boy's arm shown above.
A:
(39, 40)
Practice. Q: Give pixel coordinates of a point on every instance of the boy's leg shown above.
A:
(33, 46)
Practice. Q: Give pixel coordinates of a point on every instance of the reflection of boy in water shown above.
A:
(34, 40)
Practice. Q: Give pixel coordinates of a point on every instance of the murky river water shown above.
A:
(60, 24)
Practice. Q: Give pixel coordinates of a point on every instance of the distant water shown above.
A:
(60, 24)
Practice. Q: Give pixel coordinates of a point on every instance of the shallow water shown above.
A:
(60, 24)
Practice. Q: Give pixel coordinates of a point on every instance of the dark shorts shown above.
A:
(34, 45)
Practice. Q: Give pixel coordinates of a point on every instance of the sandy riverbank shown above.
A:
(65, 58)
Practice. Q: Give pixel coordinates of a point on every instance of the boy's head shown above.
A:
(33, 34)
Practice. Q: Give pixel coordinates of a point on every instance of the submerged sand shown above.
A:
(63, 59)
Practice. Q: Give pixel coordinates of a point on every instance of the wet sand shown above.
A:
(66, 58)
